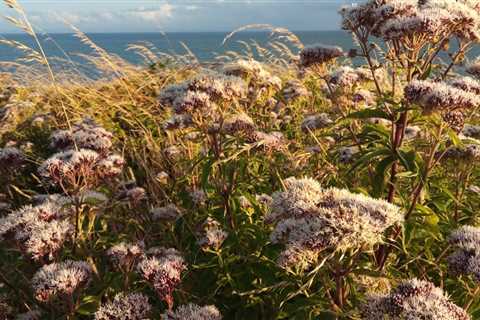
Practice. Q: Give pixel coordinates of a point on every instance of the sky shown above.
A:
(53, 16)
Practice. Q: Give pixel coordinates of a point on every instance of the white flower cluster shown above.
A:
(239, 123)
(244, 203)
(474, 69)
(61, 280)
(427, 23)
(319, 54)
(69, 167)
(415, 300)
(133, 306)
(466, 152)
(125, 255)
(133, 194)
(412, 132)
(433, 96)
(310, 219)
(163, 271)
(398, 19)
(178, 121)
(168, 212)
(365, 96)
(253, 72)
(84, 135)
(85, 159)
(202, 93)
(347, 77)
(316, 121)
(270, 142)
(41, 230)
(160, 252)
(193, 312)
(293, 90)
(264, 199)
(466, 258)
(211, 235)
(467, 84)
(11, 158)
(471, 131)
(198, 196)
(347, 154)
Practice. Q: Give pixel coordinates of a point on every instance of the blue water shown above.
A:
(205, 46)
(63, 49)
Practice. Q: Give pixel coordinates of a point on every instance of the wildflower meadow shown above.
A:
(279, 182)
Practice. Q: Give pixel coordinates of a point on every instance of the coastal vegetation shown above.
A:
(279, 182)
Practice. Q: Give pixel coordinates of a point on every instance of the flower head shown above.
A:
(163, 272)
(84, 135)
(474, 69)
(211, 234)
(193, 312)
(346, 77)
(467, 84)
(471, 131)
(294, 90)
(347, 154)
(11, 158)
(318, 54)
(40, 230)
(466, 152)
(62, 279)
(201, 94)
(168, 212)
(433, 96)
(413, 299)
(273, 141)
(133, 194)
(363, 95)
(316, 121)
(125, 255)
(465, 260)
(178, 121)
(133, 306)
(412, 132)
(239, 123)
(198, 196)
(252, 71)
(310, 219)
(399, 19)
(87, 166)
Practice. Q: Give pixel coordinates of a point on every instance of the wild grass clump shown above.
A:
(180, 190)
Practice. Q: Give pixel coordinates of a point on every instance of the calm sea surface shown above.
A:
(204, 45)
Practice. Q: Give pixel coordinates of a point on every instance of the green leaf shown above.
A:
(380, 172)
(367, 158)
(369, 113)
(454, 137)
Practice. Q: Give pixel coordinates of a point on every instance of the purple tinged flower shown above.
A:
(60, 280)
(132, 306)
(193, 312)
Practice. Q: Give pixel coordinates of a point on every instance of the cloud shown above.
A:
(107, 16)
(70, 17)
(154, 15)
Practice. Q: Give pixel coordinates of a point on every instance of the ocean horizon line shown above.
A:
(167, 32)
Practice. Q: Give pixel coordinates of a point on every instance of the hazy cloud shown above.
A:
(154, 15)
(179, 15)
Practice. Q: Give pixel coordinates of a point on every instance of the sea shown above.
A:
(65, 50)
(204, 45)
